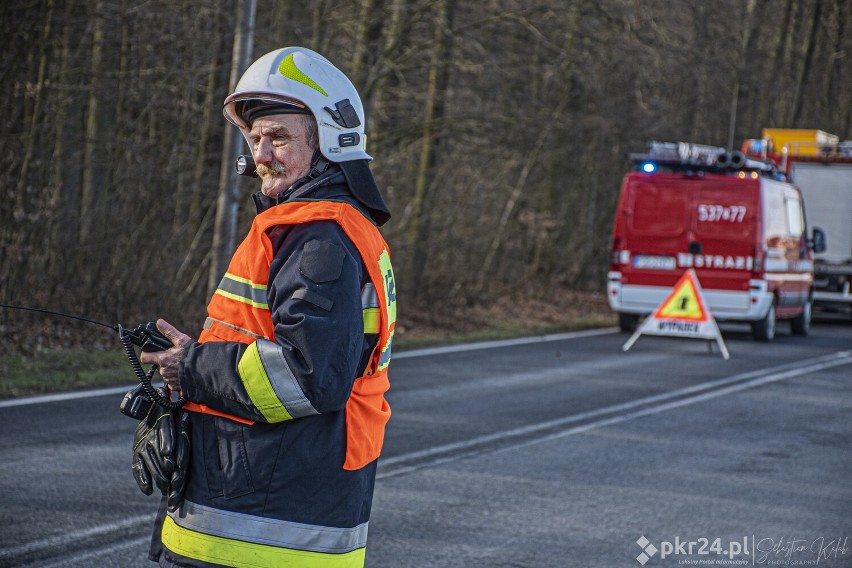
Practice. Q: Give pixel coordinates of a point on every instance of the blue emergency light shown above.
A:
(649, 167)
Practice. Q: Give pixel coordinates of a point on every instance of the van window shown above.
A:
(775, 224)
(794, 217)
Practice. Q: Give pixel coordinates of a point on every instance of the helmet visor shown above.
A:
(242, 109)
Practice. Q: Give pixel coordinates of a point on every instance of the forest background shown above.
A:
(500, 130)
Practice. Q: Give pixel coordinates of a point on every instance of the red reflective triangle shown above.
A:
(685, 303)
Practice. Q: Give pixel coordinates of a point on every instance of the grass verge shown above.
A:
(496, 333)
(57, 370)
(62, 370)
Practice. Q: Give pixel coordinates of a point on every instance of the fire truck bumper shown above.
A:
(725, 305)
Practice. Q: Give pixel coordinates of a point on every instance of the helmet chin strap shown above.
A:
(319, 165)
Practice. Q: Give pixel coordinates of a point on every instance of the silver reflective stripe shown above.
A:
(284, 383)
(208, 323)
(273, 532)
(369, 299)
(244, 290)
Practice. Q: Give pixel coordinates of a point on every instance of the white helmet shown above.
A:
(298, 80)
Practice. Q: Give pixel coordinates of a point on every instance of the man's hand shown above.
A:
(168, 361)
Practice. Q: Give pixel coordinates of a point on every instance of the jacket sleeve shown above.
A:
(314, 295)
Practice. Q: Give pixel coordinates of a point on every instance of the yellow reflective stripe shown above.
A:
(259, 389)
(241, 299)
(208, 324)
(243, 290)
(248, 281)
(283, 381)
(288, 69)
(240, 554)
(268, 530)
(371, 320)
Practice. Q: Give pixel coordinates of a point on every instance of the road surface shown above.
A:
(554, 451)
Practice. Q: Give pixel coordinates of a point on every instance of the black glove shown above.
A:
(153, 450)
(181, 460)
(161, 450)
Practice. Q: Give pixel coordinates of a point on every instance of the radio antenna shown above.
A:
(61, 314)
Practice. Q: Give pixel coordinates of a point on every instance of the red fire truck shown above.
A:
(732, 219)
(820, 165)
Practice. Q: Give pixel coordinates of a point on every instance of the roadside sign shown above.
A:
(682, 314)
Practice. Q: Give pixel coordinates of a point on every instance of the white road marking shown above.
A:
(79, 559)
(393, 466)
(502, 343)
(63, 540)
(91, 393)
(62, 396)
(412, 461)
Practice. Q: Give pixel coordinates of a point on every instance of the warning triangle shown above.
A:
(684, 303)
(682, 314)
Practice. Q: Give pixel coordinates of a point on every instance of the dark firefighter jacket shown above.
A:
(297, 339)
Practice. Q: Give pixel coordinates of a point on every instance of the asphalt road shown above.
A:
(556, 451)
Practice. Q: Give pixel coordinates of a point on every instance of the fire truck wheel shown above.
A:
(627, 322)
(801, 324)
(764, 329)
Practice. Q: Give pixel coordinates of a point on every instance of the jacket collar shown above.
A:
(330, 185)
(351, 182)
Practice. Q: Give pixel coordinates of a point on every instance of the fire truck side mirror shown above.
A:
(818, 241)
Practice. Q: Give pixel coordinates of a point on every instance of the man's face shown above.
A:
(281, 151)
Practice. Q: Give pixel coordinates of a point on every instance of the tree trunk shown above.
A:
(199, 172)
(831, 89)
(555, 185)
(698, 126)
(65, 173)
(374, 92)
(362, 31)
(805, 68)
(740, 70)
(776, 54)
(225, 225)
(35, 119)
(786, 99)
(432, 116)
(318, 41)
(99, 133)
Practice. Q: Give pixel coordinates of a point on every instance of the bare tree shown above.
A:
(499, 128)
(225, 226)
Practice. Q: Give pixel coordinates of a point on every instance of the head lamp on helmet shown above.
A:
(298, 80)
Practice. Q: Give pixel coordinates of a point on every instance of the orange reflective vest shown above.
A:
(239, 318)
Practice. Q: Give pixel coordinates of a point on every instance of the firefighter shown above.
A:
(297, 339)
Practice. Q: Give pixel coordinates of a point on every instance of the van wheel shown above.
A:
(764, 329)
(801, 324)
(627, 322)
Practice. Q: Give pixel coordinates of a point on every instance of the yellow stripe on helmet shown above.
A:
(288, 69)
